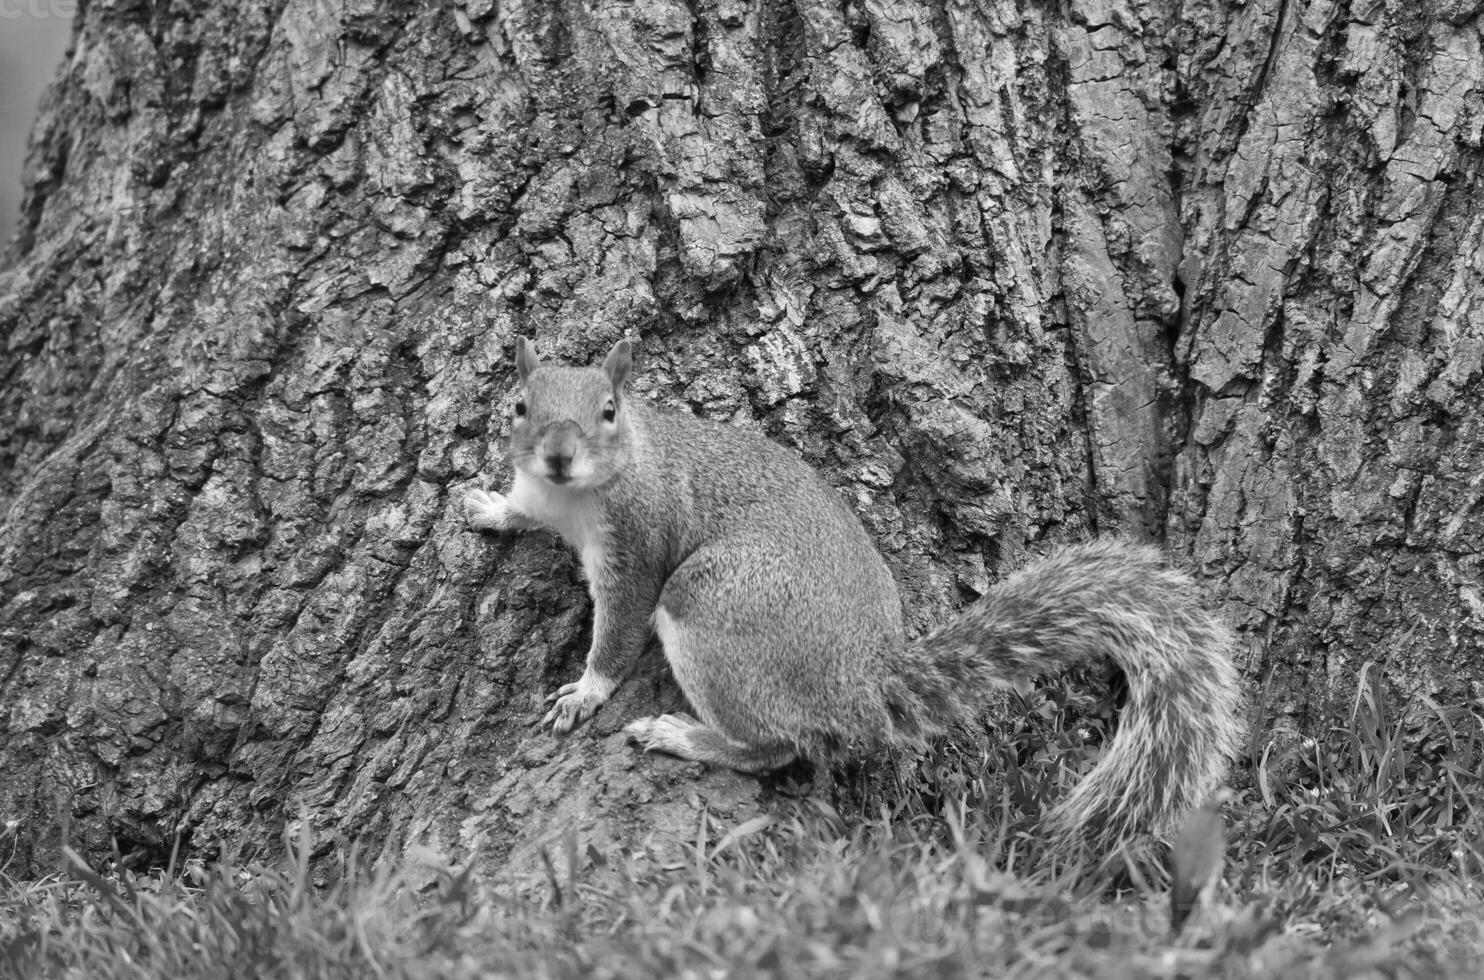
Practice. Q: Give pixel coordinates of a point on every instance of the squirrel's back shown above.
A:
(726, 479)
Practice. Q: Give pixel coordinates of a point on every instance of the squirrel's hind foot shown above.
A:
(684, 736)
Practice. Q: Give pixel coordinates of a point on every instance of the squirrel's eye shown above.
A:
(610, 411)
(520, 410)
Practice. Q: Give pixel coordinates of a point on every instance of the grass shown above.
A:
(1353, 854)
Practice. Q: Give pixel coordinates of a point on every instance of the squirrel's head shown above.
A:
(569, 425)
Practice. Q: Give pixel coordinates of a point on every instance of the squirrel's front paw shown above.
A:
(486, 511)
(577, 702)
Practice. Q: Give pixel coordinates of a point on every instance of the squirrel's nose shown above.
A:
(558, 449)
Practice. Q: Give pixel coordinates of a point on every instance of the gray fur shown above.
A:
(783, 625)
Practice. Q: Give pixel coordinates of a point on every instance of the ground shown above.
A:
(1351, 856)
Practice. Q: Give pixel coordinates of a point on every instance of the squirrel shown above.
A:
(783, 625)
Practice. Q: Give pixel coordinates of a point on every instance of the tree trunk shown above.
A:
(1007, 275)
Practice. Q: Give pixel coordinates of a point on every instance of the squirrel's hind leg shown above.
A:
(686, 737)
(712, 741)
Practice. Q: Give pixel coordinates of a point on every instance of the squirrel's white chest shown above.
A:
(574, 514)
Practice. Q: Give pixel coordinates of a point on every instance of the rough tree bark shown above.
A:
(1206, 272)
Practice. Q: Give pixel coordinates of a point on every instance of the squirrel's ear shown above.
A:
(526, 358)
(620, 359)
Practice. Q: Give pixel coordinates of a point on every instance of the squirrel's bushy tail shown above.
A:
(1178, 728)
